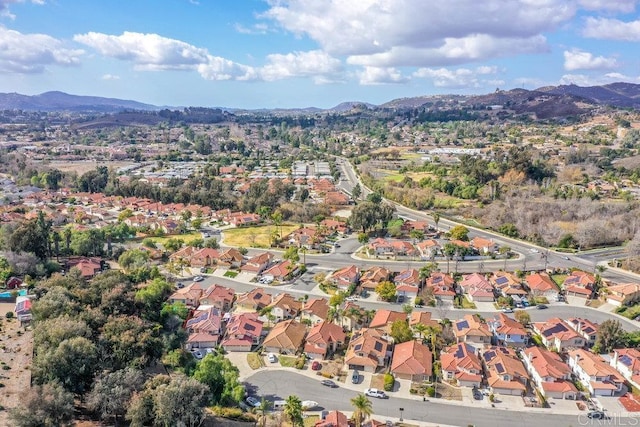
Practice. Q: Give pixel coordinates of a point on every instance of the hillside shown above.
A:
(60, 101)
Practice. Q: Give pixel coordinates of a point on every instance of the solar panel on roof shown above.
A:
(502, 280)
(500, 368)
(378, 346)
(258, 295)
(626, 360)
(460, 352)
(249, 327)
(488, 355)
(462, 325)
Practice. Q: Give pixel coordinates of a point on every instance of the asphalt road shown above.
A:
(278, 385)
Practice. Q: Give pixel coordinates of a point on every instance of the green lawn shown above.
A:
(186, 238)
(231, 274)
(287, 361)
(254, 237)
(467, 304)
(559, 279)
(255, 361)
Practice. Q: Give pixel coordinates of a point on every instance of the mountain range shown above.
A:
(544, 102)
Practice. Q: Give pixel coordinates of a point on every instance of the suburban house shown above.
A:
(315, 309)
(424, 318)
(461, 364)
(428, 249)
(508, 332)
(281, 270)
(477, 287)
(205, 257)
(627, 362)
(88, 267)
(324, 339)
(624, 294)
(254, 300)
(384, 318)
(189, 295)
(204, 329)
(231, 258)
(580, 284)
(557, 335)
(14, 282)
(345, 277)
(471, 330)
(584, 327)
(369, 349)
(600, 378)
(285, 306)
(333, 419)
(258, 263)
(354, 317)
(391, 247)
(371, 278)
(483, 246)
(183, 254)
(541, 285)
(442, 286)
(505, 372)
(550, 374)
(413, 361)
(334, 225)
(243, 332)
(409, 277)
(219, 297)
(507, 284)
(285, 338)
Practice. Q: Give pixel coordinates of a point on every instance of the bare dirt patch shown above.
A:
(84, 166)
(16, 351)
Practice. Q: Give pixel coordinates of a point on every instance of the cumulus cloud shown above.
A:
(110, 77)
(32, 53)
(380, 76)
(315, 63)
(4, 7)
(587, 80)
(577, 59)
(383, 33)
(624, 6)
(458, 78)
(611, 29)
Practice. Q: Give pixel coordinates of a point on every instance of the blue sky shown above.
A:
(302, 53)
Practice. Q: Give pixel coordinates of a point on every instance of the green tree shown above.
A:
(47, 405)
(363, 238)
(265, 405)
(112, 392)
(179, 403)
(386, 291)
(128, 341)
(212, 243)
(522, 317)
(459, 232)
(401, 332)
(29, 237)
(436, 218)
(293, 411)
(221, 376)
(291, 253)
(356, 192)
(363, 408)
(610, 335)
(173, 244)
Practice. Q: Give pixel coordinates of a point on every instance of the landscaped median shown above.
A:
(255, 361)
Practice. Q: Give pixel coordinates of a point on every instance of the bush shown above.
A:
(300, 363)
(9, 315)
(431, 392)
(389, 382)
(232, 413)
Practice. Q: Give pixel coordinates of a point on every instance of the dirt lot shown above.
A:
(85, 166)
(16, 349)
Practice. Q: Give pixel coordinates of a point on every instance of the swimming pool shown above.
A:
(21, 292)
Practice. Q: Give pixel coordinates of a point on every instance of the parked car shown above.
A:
(316, 366)
(596, 415)
(400, 299)
(355, 378)
(180, 285)
(309, 404)
(477, 395)
(272, 358)
(351, 298)
(198, 354)
(198, 279)
(329, 383)
(507, 310)
(541, 306)
(252, 401)
(374, 392)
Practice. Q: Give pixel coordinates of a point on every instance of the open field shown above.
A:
(187, 238)
(254, 237)
(81, 167)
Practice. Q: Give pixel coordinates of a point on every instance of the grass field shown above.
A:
(186, 238)
(255, 360)
(254, 237)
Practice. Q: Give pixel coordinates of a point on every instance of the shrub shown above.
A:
(232, 413)
(300, 363)
(389, 382)
(9, 315)
(492, 398)
(431, 392)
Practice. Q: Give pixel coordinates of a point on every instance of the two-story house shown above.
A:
(472, 330)
(204, 328)
(623, 294)
(508, 332)
(219, 297)
(243, 332)
(596, 375)
(550, 374)
(505, 372)
(586, 328)
(580, 284)
(413, 361)
(258, 263)
(324, 339)
(285, 306)
(189, 295)
(557, 335)
(285, 337)
(371, 278)
(477, 287)
(627, 362)
(345, 277)
(461, 364)
(315, 309)
(369, 349)
(541, 285)
(254, 300)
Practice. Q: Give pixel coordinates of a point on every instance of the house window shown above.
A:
(508, 336)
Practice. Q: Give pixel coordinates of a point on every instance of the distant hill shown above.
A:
(614, 94)
(352, 105)
(60, 101)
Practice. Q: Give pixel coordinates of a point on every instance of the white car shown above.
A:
(272, 358)
(198, 354)
(374, 392)
(308, 404)
(351, 299)
(252, 401)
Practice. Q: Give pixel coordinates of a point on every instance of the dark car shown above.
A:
(316, 366)
(541, 306)
(596, 415)
(329, 383)
(477, 395)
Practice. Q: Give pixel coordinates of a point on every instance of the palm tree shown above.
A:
(421, 329)
(436, 219)
(504, 250)
(265, 405)
(363, 408)
(293, 410)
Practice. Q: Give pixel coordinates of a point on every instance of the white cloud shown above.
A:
(386, 33)
(217, 68)
(379, 76)
(586, 80)
(259, 28)
(612, 29)
(458, 78)
(4, 7)
(110, 77)
(32, 53)
(301, 64)
(577, 59)
(624, 6)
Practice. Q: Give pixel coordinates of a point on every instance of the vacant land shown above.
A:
(255, 237)
(81, 167)
(186, 238)
(16, 351)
